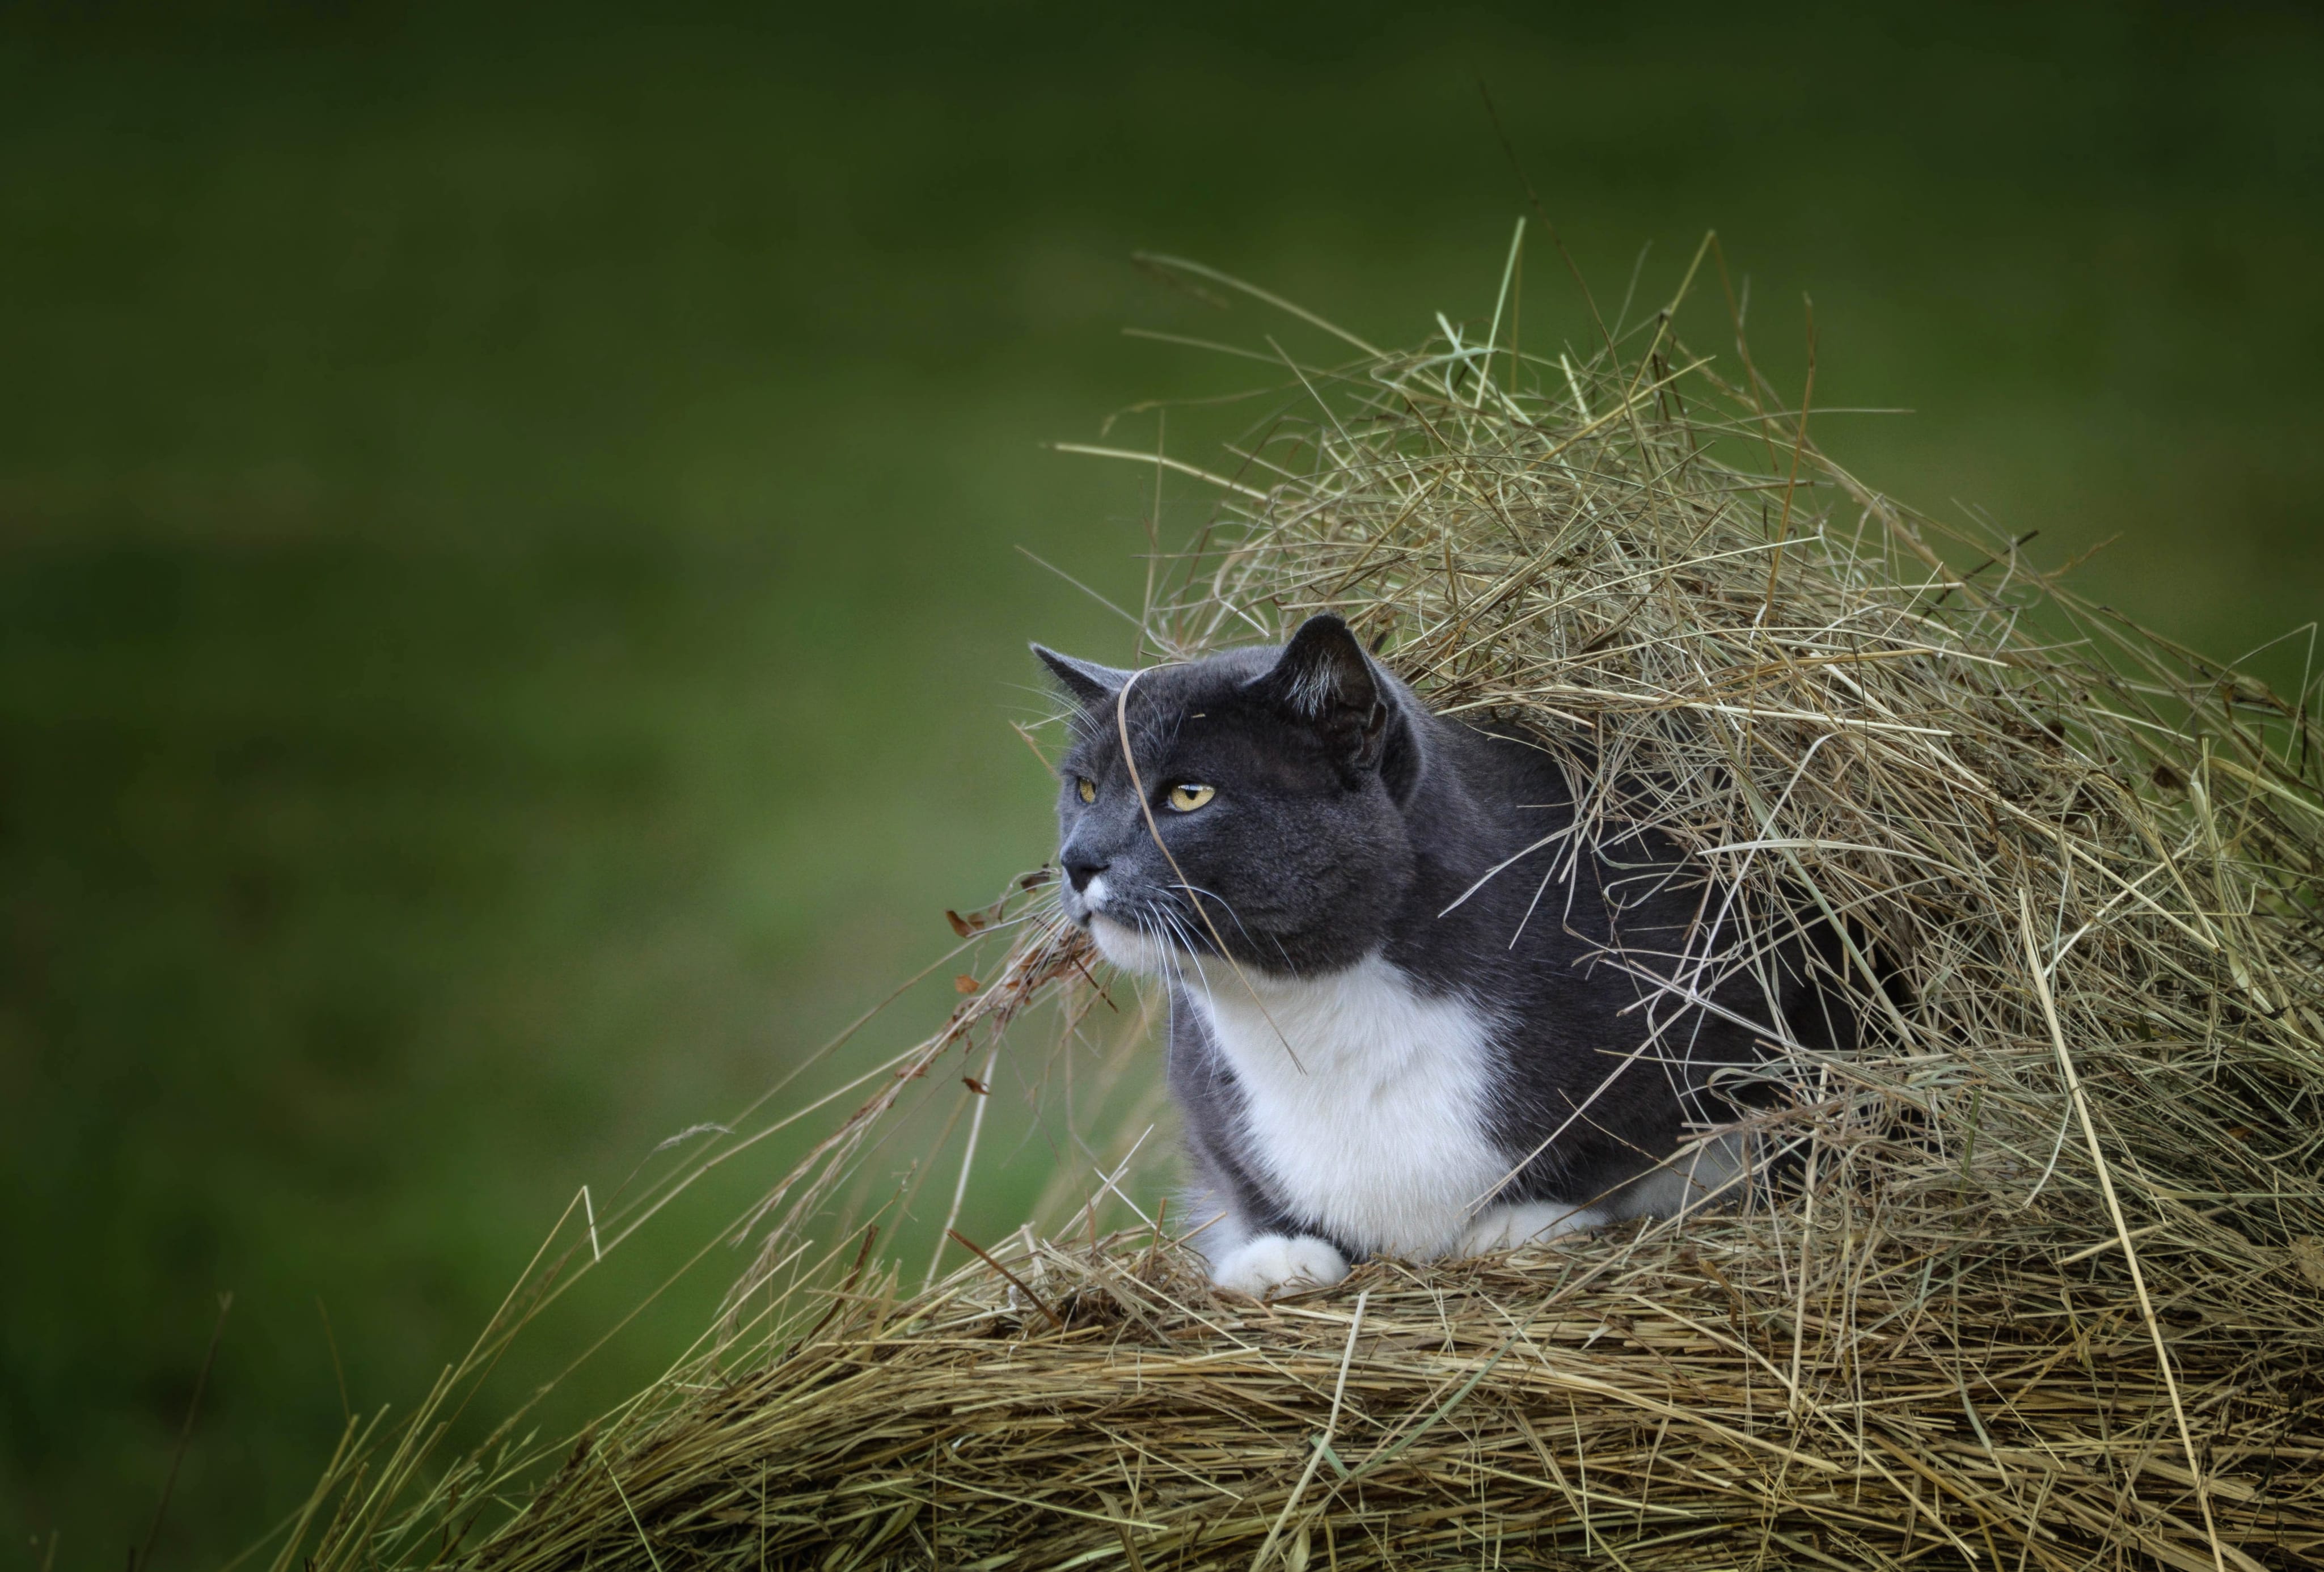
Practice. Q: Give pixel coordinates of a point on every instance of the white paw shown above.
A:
(1530, 1222)
(1258, 1267)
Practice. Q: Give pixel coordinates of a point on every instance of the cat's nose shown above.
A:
(1081, 868)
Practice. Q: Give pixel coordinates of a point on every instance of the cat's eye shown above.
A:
(1085, 789)
(1186, 796)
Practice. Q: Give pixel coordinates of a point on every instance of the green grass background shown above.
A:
(507, 609)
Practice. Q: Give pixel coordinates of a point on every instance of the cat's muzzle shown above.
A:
(1133, 949)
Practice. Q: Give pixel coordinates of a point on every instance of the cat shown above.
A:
(1399, 1025)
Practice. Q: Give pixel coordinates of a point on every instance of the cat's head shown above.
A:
(1266, 811)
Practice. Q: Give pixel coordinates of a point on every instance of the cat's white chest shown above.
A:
(1365, 1103)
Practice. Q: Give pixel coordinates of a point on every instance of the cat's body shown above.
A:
(1402, 1051)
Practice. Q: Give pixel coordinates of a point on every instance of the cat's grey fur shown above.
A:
(1377, 1065)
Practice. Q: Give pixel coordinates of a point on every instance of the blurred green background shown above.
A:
(507, 609)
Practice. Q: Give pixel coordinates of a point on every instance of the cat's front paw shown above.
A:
(1259, 1267)
(1501, 1228)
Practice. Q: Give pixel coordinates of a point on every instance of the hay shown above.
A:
(2047, 1290)
(1628, 1399)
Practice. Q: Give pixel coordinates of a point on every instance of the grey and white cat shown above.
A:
(1399, 1025)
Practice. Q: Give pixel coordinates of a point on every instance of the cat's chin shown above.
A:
(1129, 950)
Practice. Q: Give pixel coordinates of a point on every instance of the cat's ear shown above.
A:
(1324, 679)
(1085, 681)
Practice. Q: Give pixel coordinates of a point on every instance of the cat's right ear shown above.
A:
(1324, 680)
(1085, 681)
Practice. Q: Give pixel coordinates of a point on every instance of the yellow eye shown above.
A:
(1087, 790)
(1188, 797)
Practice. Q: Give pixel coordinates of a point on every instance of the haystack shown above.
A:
(2044, 1285)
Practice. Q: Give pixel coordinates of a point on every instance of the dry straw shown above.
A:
(2044, 1289)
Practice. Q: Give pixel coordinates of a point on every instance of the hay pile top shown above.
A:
(2049, 1291)
(1848, 1400)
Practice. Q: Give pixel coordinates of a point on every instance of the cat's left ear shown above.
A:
(1089, 683)
(1324, 679)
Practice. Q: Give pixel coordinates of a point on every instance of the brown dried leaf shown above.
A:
(2308, 1256)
